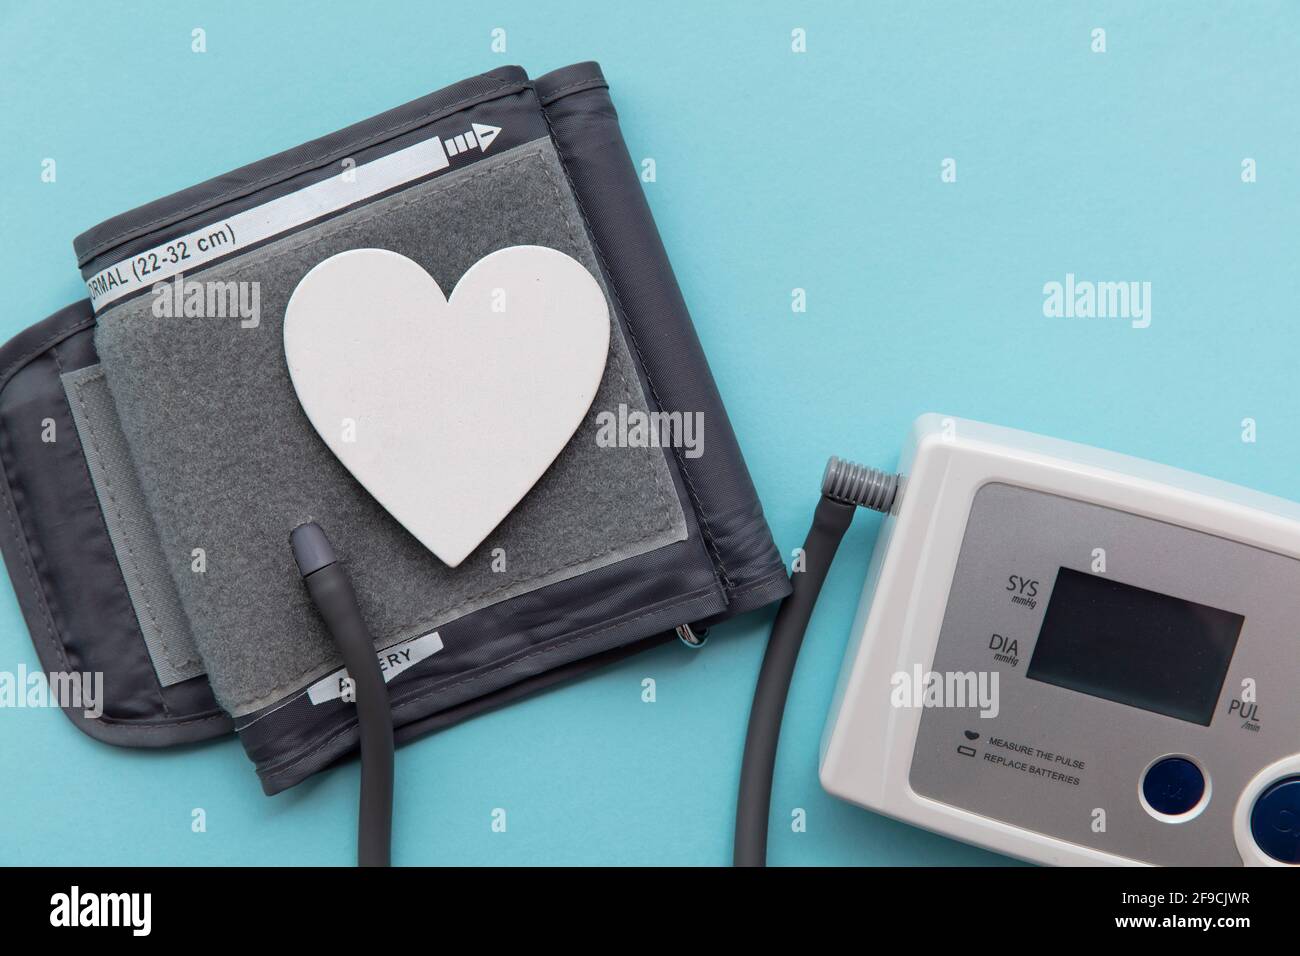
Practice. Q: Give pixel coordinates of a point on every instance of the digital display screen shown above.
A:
(1134, 646)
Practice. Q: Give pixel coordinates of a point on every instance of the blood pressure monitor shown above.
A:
(1076, 657)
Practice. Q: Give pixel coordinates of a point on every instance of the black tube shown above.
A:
(331, 591)
(830, 521)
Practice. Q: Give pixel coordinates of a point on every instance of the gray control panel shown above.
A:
(1131, 670)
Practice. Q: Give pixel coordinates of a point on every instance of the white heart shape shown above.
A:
(458, 405)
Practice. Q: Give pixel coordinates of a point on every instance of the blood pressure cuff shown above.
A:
(155, 456)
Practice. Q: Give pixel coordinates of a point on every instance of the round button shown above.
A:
(1275, 820)
(1173, 786)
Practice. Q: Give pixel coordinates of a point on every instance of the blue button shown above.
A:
(1173, 786)
(1275, 820)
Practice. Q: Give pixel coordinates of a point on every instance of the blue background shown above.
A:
(776, 170)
